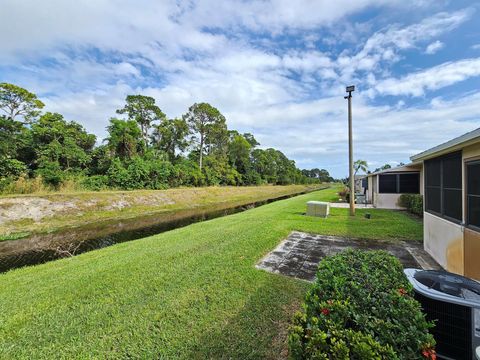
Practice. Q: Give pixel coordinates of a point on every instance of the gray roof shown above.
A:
(402, 168)
(452, 145)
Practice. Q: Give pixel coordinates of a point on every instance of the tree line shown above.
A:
(144, 149)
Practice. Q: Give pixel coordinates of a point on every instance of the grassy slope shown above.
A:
(188, 293)
(83, 208)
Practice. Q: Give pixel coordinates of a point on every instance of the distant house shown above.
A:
(385, 187)
(360, 183)
(451, 179)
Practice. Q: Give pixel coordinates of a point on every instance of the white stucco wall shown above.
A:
(370, 189)
(444, 241)
(422, 179)
(387, 201)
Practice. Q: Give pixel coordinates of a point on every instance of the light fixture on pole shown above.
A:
(350, 89)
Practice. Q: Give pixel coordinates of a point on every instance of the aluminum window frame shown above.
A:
(467, 196)
(397, 182)
(441, 187)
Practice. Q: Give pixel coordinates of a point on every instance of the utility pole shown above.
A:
(350, 89)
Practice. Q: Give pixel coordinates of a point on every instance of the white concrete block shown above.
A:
(318, 208)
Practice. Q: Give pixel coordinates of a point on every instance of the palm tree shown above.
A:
(360, 165)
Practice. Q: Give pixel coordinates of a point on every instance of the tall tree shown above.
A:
(124, 138)
(207, 125)
(170, 136)
(216, 140)
(13, 139)
(143, 110)
(324, 176)
(19, 102)
(239, 151)
(67, 144)
(251, 140)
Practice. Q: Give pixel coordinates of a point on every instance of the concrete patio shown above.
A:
(299, 254)
(347, 205)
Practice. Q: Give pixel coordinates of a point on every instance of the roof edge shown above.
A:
(453, 144)
(413, 167)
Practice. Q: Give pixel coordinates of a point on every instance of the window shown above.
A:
(409, 183)
(401, 183)
(433, 192)
(443, 186)
(473, 194)
(387, 184)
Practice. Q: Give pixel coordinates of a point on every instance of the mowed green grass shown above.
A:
(191, 293)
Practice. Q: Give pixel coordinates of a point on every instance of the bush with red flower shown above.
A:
(361, 306)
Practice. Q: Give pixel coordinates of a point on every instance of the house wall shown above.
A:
(370, 189)
(443, 240)
(358, 186)
(388, 201)
(422, 175)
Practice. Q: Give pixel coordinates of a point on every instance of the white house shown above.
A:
(384, 188)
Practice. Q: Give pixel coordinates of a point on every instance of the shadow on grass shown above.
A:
(259, 329)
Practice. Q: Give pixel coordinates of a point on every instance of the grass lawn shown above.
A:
(191, 293)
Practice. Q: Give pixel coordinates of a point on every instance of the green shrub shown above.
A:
(253, 178)
(160, 172)
(412, 202)
(117, 174)
(186, 173)
(330, 338)
(219, 172)
(360, 306)
(95, 182)
(51, 173)
(138, 173)
(11, 168)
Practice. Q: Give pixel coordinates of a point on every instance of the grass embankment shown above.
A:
(22, 216)
(189, 293)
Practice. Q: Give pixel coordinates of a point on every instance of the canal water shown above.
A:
(47, 247)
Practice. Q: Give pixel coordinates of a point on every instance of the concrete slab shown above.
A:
(299, 254)
(347, 205)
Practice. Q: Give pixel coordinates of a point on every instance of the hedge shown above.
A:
(412, 202)
(361, 306)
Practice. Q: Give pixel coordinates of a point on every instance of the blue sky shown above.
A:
(277, 69)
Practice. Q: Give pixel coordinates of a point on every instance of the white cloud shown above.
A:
(434, 47)
(83, 60)
(28, 27)
(384, 46)
(275, 16)
(475, 47)
(91, 108)
(313, 133)
(416, 84)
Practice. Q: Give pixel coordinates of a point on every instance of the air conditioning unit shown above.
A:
(453, 303)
